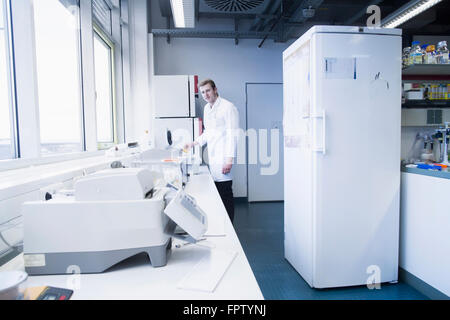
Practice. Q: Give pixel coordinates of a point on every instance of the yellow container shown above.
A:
(434, 92)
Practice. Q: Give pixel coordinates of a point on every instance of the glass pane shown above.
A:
(103, 88)
(5, 90)
(58, 73)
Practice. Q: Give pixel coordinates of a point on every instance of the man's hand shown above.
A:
(188, 146)
(226, 168)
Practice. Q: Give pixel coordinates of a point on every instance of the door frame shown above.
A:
(246, 129)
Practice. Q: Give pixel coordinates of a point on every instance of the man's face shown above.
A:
(208, 93)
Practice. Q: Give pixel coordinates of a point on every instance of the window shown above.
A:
(103, 59)
(6, 98)
(58, 59)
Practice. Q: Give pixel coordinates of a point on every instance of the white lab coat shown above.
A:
(221, 123)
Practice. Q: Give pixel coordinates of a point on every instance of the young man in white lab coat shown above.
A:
(221, 121)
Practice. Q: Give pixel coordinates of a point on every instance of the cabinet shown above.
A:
(174, 96)
(426, 112)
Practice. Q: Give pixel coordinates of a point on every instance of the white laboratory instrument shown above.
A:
(342, 96)
(183, 210)
(445, 134)
(175, 165)
(176, 132)
(12, 284)
(167, 162)
(114, 214)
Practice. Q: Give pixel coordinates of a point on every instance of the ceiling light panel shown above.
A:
(407, 12)
(183, 12)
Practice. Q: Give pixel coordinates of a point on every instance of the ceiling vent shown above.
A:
(233, 6)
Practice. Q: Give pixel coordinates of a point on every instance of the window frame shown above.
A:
(14, 152)
(25, 94)
(102, 36)
(81, 86)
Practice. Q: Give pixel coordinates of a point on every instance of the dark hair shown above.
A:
(207, 81)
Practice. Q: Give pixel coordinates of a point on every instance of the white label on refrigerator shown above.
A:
(339, 68)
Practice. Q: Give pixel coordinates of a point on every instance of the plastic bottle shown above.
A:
(430, 56)
(442, 53)
(444, 91)
(423, 48)
(434, 89)
(405, 57)
(427, 91)
(415, 56)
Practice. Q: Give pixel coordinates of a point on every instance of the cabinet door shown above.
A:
(171, 96)
(424, 117)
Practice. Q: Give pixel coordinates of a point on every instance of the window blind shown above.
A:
(101, 11)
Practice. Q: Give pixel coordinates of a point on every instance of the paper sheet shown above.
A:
(208, 272)
(216, 227)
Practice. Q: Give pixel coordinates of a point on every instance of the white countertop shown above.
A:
(135, 278)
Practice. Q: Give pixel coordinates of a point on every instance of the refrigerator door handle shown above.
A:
(324, 128)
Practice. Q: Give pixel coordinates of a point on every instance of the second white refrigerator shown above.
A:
(342, 107)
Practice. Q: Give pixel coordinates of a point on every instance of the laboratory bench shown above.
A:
(425, 225)
(444, 173)
(189, 265)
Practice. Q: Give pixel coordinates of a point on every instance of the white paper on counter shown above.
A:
(207, 273)
(216, 227)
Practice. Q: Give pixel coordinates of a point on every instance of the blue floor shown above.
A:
(259, 227)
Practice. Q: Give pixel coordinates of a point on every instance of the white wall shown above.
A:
(230, 66)
(431, 39)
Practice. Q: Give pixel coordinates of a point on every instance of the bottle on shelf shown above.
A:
(430, 55)
(423, 49)
(415, 55)
(442, 53)
(426, 91)
(405, 57)
(441, 92)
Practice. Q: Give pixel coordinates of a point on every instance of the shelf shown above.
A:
(427, 72)
(427, 69)
(426, 104)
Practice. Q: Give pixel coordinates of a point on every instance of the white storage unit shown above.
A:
(342, 117)
(174, 96)
(175, 123)
(425, 222)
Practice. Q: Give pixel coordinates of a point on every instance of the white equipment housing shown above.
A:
(114, 214)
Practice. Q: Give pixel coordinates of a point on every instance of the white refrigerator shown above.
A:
(175, 95)
(175, 122)
(342, 124)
